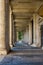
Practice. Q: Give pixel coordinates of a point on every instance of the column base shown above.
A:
(36, 45)
(11, 45)
(4, 52)
(30, 43)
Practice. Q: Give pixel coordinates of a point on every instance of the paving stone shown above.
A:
(13, 59)
(22, 60)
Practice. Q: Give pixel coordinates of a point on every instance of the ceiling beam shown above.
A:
(40, 11)
(26, 1)
(21, 20)
(21, 25)
(24, 10)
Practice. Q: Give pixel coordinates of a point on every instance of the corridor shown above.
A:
(21, 21)
(21, 32)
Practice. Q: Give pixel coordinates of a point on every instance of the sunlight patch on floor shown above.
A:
(1, 58)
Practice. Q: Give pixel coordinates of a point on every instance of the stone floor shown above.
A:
(21, 60)
(22, 45)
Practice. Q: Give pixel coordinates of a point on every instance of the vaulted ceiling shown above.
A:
(23, 11)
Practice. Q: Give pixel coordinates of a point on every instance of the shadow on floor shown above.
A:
(20, 46)
(22, 60)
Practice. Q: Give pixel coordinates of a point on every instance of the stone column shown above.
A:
(34, 29)
(36, 35)
(26, 35)
(17, 35)
(23, 34)
(10, 27)
(30, 32)
(14, 33)
(4, 27)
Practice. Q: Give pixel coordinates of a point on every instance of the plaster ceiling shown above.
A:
(24, 9)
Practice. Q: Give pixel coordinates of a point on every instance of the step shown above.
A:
(28, 52)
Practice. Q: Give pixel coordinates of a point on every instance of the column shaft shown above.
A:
(10, 28)
(14, 33)
(34, 28)
(36, 35)
(4, 26)
(30, 32)
(17, 35)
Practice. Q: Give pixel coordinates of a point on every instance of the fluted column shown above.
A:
(4, 26)
(36, 33)
(30, 32)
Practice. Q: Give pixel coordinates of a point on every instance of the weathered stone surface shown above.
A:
(21, 60)
(4, 26)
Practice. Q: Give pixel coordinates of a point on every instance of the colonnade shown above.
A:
(8, 30)
(36, 39)
(6, 27)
